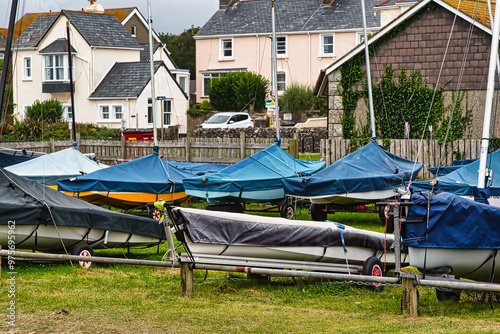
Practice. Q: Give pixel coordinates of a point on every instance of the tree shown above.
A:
(238, 90)
(182, 48)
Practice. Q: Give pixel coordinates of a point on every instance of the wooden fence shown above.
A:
(231, 150)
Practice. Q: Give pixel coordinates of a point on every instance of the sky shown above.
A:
(169, 16)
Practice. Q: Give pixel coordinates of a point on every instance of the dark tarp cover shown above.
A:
(464, 180)
(28, 202)
(369, 168)
(10, 159)
(443, 170)
(198, 168)
(223, 228)
(263, 170)
(454, 222)
(149, 174)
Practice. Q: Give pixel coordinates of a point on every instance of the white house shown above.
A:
(111, 70)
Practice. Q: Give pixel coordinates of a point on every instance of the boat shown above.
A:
(131, 185)
(461, 237)
(49, 168)
(43, 219)
(455, 235)
(7, 159)
(242, 235)
(367, 175)
(198, 168)
(456, 164)
(256, 179)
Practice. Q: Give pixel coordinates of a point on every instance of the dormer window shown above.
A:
(55, 68)
(133, 31)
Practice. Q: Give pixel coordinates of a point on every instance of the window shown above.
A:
(281, 46)
(281, 81)
(207, 81)
(182, 83)
(133, 31)
(104, 112)
(117, 111)
(27, 68)
(327, 45)
(226, 49)
(67, 113)
(55, 68)
(167, 112)
(150, 111)
(361, 38)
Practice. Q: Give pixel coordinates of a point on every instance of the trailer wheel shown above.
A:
(390, 220)
(317, 212)
(373, 267)
(83, 250)
(452, 296)
(288, 211)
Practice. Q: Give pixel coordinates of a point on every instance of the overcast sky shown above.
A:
(169, 16)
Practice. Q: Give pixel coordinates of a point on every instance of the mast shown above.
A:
(495, 28)
(274, 72)
(71, 87)
(152, 68)
(368, 72)
(8, 52)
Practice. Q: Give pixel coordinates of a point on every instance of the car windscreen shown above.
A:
(217, 119)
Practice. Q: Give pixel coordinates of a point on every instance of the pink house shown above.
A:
(311, 35)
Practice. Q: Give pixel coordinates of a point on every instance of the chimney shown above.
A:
(94, 8)
(227, 3)
(328, 2)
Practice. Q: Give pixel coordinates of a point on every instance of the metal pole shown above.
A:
(397, 239)
(489, 98)
(152, 68)
(275, 72)
(7, 56)
(368, 73)
(71, 87)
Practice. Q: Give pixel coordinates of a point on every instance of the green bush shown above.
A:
(298, 98)
(238, 90)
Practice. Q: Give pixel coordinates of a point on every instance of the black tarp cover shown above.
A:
(28, 203)
(223, 228)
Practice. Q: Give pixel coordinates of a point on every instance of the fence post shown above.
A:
(409, 301)
(243, 141)
(293, 146)
(123, 147)
(188, 149)
(187, 280)
(52, 145)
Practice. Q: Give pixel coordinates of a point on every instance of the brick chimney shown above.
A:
(328, 2)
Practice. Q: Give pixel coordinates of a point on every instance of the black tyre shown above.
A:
(390, 220)
(318, 212)
(83, 250)
(288, 211)
(373, 267)
(452, 296)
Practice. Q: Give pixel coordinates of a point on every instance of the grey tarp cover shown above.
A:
(225, 228)
(28, 203)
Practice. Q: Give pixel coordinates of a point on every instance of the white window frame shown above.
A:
(150, 110)
(27, 68)
(203, 88)
(133, 31)
(322, 46)
(222, 49)
(359, 38)
(166, 113)
(101, 113)
(66, 115)
(280, 92)
(64, 68)
(113, 108)
(283, 51)
(182, 77)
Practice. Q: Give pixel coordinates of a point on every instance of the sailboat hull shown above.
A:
(354, 198)
(259, 196)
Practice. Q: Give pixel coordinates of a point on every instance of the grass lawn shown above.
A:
(63, 298)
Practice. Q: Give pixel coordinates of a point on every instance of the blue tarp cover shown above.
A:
(454, 222)
(443, 170)
(7, 160)
(263, 170)
(369, 168)
(149, 174)
(198, 168)
(464, 180)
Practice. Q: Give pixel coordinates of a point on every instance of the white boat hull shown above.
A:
(365, 197)
(48, 238)
(258, 196)
(474, 264)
